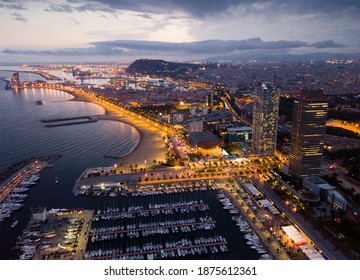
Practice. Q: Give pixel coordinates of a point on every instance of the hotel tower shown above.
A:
(265, 119)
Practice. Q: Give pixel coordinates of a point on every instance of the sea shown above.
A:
(24, 136)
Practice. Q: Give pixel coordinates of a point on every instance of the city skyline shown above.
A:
(103, 30)
(119, 139)
(190, 130)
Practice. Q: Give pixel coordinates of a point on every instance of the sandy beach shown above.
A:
(151, 145)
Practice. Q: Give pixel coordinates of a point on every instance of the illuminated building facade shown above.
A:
(15, 80)
(307, 135)
(265, 119)
(196, 126)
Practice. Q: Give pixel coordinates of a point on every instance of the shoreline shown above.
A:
(150, 146)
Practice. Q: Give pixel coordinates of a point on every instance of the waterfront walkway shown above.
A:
(273, 247)
(325, 245)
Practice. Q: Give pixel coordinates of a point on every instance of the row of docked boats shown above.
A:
(153, 228)
(153, 210)
(254, 242)
(174, 249)
(252, 238)
(14, 201)
(172, 190)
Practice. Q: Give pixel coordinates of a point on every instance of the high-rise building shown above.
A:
(265, 119)
(308, 133)
(211, 103)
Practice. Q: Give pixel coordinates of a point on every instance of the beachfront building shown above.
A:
(265, 119)
(205, 140)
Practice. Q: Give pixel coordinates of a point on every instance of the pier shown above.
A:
(11, 183)
(66, 119)
(45, 75)
(141, 211)
(70, 123)
(195, 225)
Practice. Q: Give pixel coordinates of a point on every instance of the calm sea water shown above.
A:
(23, 135)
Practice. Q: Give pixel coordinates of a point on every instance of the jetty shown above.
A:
(70, 123)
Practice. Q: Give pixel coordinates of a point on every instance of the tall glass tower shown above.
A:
(308, 133)
(265, 120)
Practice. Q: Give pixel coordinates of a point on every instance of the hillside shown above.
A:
(161, 67)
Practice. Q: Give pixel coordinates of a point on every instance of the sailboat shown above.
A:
(56, 180)
(14, 224)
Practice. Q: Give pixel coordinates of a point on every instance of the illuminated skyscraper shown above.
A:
(307, 135)
(265, 120)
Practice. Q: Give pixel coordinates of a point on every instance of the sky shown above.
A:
(124, 30)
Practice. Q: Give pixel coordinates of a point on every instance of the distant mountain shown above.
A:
(161, 67)
(285, 57)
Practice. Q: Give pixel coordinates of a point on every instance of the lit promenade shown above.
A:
(271, 245)
(307, 228)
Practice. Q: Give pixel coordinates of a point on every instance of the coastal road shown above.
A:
(306, 227)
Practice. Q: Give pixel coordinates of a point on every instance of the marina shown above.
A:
(15, 196)
(186, 225)
(187, 228)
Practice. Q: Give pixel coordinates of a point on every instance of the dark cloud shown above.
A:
(13, 6)
(84, 6)
(203, 47)
(18, 17)
(202, 8)
(199, 8)
(326, 44)
(126, 47)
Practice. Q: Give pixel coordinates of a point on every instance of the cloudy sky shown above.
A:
(123, 30)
